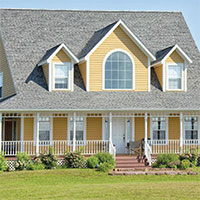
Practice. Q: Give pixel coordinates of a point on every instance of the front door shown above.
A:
(10, 130)
(118, 135)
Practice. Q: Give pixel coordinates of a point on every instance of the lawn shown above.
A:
(89, 184)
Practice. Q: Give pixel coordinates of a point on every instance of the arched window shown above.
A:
(118, 71)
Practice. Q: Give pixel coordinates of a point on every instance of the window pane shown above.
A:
(159, 128)
(79, 129)
(191, 128)
(1, 79)
(174, 76)
(118, 70)
(44, 129)
(61, 83)
(175, 83)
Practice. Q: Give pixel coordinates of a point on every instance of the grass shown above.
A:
(90, 184)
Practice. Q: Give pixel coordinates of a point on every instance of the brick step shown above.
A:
(130, 165)
(129, 168)
(126, 158)
(128, 161)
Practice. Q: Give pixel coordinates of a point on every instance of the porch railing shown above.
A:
(87, 147)
(148, 152)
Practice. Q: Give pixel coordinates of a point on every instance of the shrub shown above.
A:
(191, 155)
(167, 160)
(105, 167)
(23, 160)
(3, 163)
(35, 166)
(74, 160)
(106, 158)
(92, 162)
(185, 164)
(49, 160)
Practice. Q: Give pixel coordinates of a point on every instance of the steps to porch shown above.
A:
(130, 162)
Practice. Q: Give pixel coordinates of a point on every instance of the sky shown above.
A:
(189, 8)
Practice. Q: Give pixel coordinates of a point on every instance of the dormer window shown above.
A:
(175, 76)
(61, 76)
(1, 85)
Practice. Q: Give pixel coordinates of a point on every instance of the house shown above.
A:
(96, 80)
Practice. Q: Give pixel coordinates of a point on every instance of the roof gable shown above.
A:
(99, 37)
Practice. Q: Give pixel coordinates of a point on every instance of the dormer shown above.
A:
(58, 67)
(171, 68)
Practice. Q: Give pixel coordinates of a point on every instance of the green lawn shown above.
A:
(89, 184)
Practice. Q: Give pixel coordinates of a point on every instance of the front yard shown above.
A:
(90, 184)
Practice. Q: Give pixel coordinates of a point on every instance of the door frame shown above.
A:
(4, 128)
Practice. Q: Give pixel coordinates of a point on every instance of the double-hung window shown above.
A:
(175, 76)
(79, 128)
(159, 128)
(191, 128)
(61, 76)
(44, 129)
(1, 85)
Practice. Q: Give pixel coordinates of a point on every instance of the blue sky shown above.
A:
(189, 8)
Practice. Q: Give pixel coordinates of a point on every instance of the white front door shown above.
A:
(118, 135)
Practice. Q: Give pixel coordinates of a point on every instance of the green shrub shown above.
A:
(92, 162)
(3, 163)
(167, 161)
(35, 166)
(23, 160)
(106, 158)
(49, 160)
(105, 167)
(191, 155)
(74, 160)
(185, 164)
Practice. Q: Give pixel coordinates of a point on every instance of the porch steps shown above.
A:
(130, 162)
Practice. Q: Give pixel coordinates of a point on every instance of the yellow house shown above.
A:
(97, 84)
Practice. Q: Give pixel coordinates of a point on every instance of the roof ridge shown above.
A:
(77, 10)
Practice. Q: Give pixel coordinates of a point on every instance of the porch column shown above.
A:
(110, 131)
(74, 132)
(145, 130)
(181, 132)
(133, 129)
(22, 133)
(37, 132)
(0, 132)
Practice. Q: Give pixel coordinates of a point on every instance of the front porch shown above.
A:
(90, 133)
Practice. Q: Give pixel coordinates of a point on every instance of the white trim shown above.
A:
(72, 73)
(129, 33)
(88, 75)
(185, 67)
(182, 78)
(22, 129)
(1, 74)
(1, 130)
(163, 77)
(37, 132)
(149, 75)
(181, 130)
(66, 50)
(103, 68)
(69, 76)
(181, 53)
(50, 76)
(51, 130)
(133, 128)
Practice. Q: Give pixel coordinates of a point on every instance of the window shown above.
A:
(79, 128)
(175, 74)
(118, 71)
(191, 128)
(61, 76)
(1, 85)
(44, 129)
(159, 128)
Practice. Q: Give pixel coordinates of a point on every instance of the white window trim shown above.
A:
(84, 130)
(182, 77)
(166, 130)
(198, 130)
(103, 70)
(1, 74)
(69, 78)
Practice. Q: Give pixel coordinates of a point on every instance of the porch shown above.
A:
(90, 132)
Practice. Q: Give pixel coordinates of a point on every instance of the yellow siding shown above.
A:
(118, 39)
(174, 58)
(159, 73)
(94, 128)
(61, 57)
(174, 127)
(60, 128)
(28, 129)
(82, 68)
(8, 86)
(46, 72)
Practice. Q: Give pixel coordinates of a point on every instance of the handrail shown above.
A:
(148, 152)
(112, 149)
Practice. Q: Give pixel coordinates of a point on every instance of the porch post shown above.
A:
(145, 130)
(0, 132)
(22, 133)
(181, 132)
(74, 132)
(110, 131)
(133, 129)
(37, 132)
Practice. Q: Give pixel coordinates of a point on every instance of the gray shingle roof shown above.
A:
(28, 34)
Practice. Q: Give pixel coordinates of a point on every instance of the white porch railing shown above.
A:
(112, 149)
(148, 152)
(172, 146)
(87, 147)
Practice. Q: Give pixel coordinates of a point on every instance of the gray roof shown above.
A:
(28, 34)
